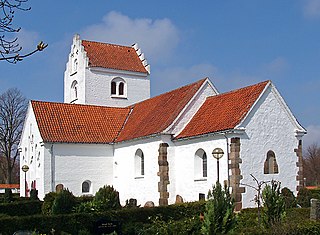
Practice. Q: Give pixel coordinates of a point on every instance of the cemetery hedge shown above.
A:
(131, 219)
(21, 208)
(173, 219)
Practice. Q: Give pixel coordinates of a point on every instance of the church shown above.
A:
(172, 146)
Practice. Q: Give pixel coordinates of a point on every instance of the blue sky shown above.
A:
(234, 43)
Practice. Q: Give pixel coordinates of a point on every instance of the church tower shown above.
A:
(105, 74)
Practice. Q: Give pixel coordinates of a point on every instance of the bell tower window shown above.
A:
(113, 88)
(118, 88)
(121, 88)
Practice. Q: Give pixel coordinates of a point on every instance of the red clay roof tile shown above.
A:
(113, 56)
(74, 123)
(154, 115)
(223, 112)
(12, 186)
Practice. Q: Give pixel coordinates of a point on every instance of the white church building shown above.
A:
(109, 131)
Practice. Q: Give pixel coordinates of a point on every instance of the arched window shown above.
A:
(121, 88)
(200, 164)
(113, 88)
(139, 163)
(118, 88)
(74, 90)
(270, 165)
(86, 186)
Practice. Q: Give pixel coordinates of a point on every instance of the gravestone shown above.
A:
(315, 209)
(104, 226)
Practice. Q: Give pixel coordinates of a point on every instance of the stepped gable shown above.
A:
(154, 115)
(223, 112)
(74, 123)
(112, 56)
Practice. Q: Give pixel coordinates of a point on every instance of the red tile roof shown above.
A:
(12, 186)
(223, 112)
(154, 115)
(71, 123)
(113, 56)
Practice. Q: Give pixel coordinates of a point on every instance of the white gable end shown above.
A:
(268, 127)
(207, 89)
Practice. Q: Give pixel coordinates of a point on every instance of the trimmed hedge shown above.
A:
(131, 219)
(21, 208)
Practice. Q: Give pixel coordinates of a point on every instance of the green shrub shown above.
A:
(21, 208)
(158, 226)
(219, 216)
(34, 194)
(289, 198)
(63, 203)
(8, 197)
(315, 193)
(107, 198)
(303, 197)
(48, 202)
(273, 210)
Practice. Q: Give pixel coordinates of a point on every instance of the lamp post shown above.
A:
(25, 168)
(217, 153)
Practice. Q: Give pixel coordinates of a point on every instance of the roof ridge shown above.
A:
(106, 43)
(239, 89)
(83, 105)
(123, 125)
(174, 90)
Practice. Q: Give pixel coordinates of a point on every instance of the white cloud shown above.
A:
(313, 135)
(156, 38)
(311, 8)
(167, 79)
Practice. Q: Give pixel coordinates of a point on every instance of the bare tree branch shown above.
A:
(13, 107)
(311, 164)
(10, 48)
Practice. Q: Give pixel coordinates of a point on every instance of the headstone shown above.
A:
(315, 209)
(149, 204)
(104, 226)
(179, 199)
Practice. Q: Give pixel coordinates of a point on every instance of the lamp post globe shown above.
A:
(25, 168)
(217, 153)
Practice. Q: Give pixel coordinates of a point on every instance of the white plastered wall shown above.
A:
(126, 181)
(268, 127)
(98, 87)
(75, 71)
(31, 154)
(187, 184)
(72, 164)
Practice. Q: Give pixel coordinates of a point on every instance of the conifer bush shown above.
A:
(48, 202)
(107, 198)
(219, 217)
(64, 202)
(289, 198)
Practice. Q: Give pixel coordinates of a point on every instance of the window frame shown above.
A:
(200, 165)
(139, 164)
(118, 88)
(270, 164)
